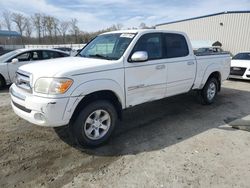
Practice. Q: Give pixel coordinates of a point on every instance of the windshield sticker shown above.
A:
(127, 35)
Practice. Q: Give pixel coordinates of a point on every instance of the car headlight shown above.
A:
(52, 85)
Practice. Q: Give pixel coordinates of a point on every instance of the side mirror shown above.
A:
(14, 61)
(139, 56)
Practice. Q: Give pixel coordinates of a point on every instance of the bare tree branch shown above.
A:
(20, 21)
(28, 27)
(74, 28)
(37, 20)
(7, 19)
(64, 26)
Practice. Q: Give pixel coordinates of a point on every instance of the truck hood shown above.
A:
(68, 66)
(240, 63)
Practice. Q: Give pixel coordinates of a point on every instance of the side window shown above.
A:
(23, 57)
(49, 54)
(55, 55)
(152, 44)
(175, 45)
(34, 55)
(45, 55)
(61, 54)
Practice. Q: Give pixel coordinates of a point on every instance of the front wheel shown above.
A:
(209, 91)
(94, 124)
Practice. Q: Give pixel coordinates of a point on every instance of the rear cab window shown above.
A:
(175, 45)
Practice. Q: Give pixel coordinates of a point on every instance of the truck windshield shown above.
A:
(108, 46)
(242, 56)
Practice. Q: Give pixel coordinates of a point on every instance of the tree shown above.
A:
(63, 28)
(55, 28)
(143, 26)
(44, 25)
(119, 26)
(28, 27)
(7, 19)
(74, 29)
(37, 20)
(20, 21)
(49, 23)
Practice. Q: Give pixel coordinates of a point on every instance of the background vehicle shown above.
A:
(10, 62)
(209, 49)
(115, 71)
(240, 66)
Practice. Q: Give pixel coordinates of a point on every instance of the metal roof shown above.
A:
(216, 14)
(5, 33)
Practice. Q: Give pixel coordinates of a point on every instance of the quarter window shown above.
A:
(175, 45)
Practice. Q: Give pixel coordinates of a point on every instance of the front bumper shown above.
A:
(41, 111)
(244, 77)
(240, 74)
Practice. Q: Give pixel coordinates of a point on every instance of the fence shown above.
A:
(72, 46)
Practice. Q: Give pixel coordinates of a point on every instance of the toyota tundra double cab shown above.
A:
(115, 71)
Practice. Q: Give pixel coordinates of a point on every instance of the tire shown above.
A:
(209, 91)
(2, 82)
(94, 124)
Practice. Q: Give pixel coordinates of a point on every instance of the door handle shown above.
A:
(159, 67)
(190, 63)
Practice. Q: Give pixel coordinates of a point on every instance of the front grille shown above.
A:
(21, 107)
(237, 71)
(22, 80)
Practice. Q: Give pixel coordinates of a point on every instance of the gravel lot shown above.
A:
(175, 142)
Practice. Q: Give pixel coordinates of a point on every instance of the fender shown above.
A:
(99, 85)
(90, 87)
(215, 67)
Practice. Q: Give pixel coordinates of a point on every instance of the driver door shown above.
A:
(146, 81)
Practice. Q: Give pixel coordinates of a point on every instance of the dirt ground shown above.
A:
(175, 142)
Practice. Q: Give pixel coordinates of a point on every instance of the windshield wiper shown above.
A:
(100, 56)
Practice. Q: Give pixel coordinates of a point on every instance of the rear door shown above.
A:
(180, 62)
(146, 81)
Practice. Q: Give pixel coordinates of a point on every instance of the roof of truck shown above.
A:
(142, 31)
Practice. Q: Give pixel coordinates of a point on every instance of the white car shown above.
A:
(115, 71)
(10, 62)
(240, 66)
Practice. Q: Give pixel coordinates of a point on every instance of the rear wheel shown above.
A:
(209, 91)
(94, 124)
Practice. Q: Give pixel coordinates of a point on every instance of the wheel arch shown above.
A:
(212, 71)
(98, 95)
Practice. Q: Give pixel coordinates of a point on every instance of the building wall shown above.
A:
(234, 34)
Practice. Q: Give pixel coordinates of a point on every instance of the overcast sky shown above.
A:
(99, 14)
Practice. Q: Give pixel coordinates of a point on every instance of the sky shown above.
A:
(93, 15)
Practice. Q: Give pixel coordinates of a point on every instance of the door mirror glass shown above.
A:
(14, 61)
(139, 56)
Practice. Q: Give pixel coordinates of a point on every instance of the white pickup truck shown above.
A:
(115, 71)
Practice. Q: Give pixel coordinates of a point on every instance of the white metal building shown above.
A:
(231, 29)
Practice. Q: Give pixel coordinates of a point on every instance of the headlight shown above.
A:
(53, 85)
